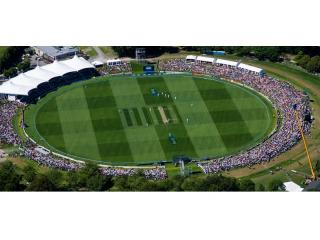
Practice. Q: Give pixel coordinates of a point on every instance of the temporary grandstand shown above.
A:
(39, 81)
(204, 59)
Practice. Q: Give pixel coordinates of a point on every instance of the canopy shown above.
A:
(191, 57)
(77, 63)
(250, 68)
(59, 68)
(292, 187)
(226, 62)
(24, 82)
(205, 59)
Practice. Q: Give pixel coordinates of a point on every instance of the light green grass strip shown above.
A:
(76, 143)
(143, 141)
(253, 126)
(201, 129)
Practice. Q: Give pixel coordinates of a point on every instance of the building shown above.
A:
(292, 187)
(210, 60)
(313, 186)
(52, 53)
(41, 80)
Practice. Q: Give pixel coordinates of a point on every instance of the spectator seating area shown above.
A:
(283, 96)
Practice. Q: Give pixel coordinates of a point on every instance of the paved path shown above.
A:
(101, 56)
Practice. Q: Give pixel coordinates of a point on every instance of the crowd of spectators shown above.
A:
(125, 67)
(30, 150)
(155, 173)
(7, 112)
(283, 96)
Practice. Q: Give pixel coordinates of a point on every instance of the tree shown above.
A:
(314, 64)
(276, 185)
(11, 72)
(261, 188)
(271, 53)
(41, 183)
(303, 61)
(247, 185)
(99, 183)
(56, 178)
(24, 65)
(10, 57)
(29, 173)
(10, 179)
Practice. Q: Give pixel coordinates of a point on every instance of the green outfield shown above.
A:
(126, 120)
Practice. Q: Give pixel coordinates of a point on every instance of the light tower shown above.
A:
(140, 54)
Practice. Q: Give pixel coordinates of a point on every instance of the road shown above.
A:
(101, 56)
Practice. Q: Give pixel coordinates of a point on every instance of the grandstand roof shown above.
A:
(250, 68)
(292, 187)
(77, 63)
(14, 89)
(191, 57)
(226, 62)
(114, 60)
(205, 59)
(41, 73)
(59, 68)
(24, 82)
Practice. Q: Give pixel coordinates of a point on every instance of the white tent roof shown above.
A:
(250, 68)
(205, 59)
(77, 63)
(41, 73)
(292, 187)
(14, 89)
(226, 62)
(58, 68)
(191, 57)
(24, 82)
(113, 60)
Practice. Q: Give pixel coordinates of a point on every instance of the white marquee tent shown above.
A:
(224, 62)
(24, 82)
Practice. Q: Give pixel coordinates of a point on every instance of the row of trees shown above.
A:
(28, 178)
(271, 53)
(151, 51)
(10, 57)
(13, 71)
(311, 64)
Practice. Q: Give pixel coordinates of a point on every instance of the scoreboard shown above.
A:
(148, 69)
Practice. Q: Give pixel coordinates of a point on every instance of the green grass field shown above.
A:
(116, 120)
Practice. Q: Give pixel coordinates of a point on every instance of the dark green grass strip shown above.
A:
(127, 116)
(105, 122)
(174, 107)
(158, 115)
(167, 113)
(183, 146)
(158, 83)
(137, 116)
(147, 115)
(231, 141)
(51, 131)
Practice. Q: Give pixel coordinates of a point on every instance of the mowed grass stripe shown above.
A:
(50, 127)
(147, 115)
(143, 141)
(235, 140)
(250, 116)
(137, 116)
(127, 117)
(108, 128)
(191, 106)
(184, 144)
(82, 142)
(167, 113)
(157, 114)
